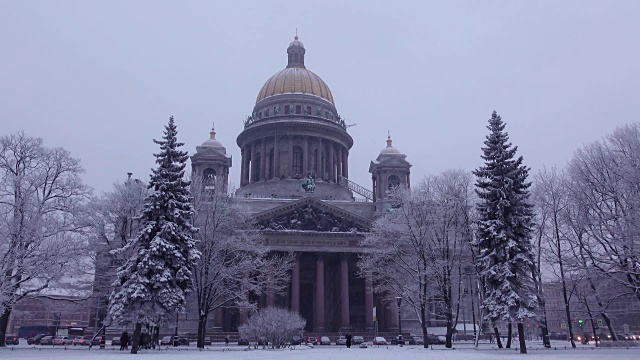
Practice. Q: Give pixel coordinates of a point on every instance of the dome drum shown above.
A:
(293, 151)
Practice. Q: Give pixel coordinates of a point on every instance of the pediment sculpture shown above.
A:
(309, 218)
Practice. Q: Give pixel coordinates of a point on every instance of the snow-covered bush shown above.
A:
(274, 324)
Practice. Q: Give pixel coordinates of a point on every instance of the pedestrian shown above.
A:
(490, 339)
(348, 340)
(124, 341)
(226, 340)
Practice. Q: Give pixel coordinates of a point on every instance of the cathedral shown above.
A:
(295, 179)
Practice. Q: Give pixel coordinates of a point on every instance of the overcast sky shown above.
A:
(101, 78)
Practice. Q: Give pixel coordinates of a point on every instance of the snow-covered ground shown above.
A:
(461, 352)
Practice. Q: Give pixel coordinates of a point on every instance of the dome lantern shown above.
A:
(390, 150)
(213, 143)
(295, 53)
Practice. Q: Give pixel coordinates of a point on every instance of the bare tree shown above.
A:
(415, 251)
(41, 198)
(552, 199)
(234, 260)
(605, 181)
(113, 221)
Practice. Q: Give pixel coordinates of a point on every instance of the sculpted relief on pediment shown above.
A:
(310, 218)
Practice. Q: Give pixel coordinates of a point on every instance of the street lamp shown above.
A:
(399, 301)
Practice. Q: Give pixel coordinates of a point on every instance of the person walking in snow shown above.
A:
(348, 340)
(124, 341)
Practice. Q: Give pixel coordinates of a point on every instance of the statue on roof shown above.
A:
(309, 183)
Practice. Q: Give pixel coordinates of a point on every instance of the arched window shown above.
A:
(394, 182)
(297, 161)
(256, 172)
(209, 179)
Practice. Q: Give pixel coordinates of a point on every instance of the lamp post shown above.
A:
(176, 330)
(399, 301)
(473, 307)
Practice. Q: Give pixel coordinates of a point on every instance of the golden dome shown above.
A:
(295, 80)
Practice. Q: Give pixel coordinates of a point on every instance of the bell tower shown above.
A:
(210, 164)
(389, 170)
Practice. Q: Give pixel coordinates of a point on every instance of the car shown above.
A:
(312, 340)
(341, 340)
(416, 340)
(116, 341)
(379, 340)
(296, 340)
(166, 340)
(46, 340)
(243, 341)
(436, 339)
(11, 340)
(180, 340)
(207, 341)
(80, 340)
(98, 341)
(35, 340)
(324, 340)
(263, 341)
(357, 340)
(398, 340)
(62, 340)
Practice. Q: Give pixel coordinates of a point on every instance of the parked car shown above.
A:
(62, 340)
(80, 340)
(436, 339)
(341, 341)
(296, 340)
(46, 340)
(242, 341)
(165, 341)
(416, 340)
(98, 341)
(116, 341)
(357, 340)
(398, 340)
(324, 340)
(207, 341)
(379, 340)
(36, 339)
(312, 340)
(180, 340)
(11, 340)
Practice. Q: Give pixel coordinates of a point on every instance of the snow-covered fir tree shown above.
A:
(152, 284)
(505, 219)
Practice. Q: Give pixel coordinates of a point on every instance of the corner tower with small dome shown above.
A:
(389, 170)
(211, 163)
